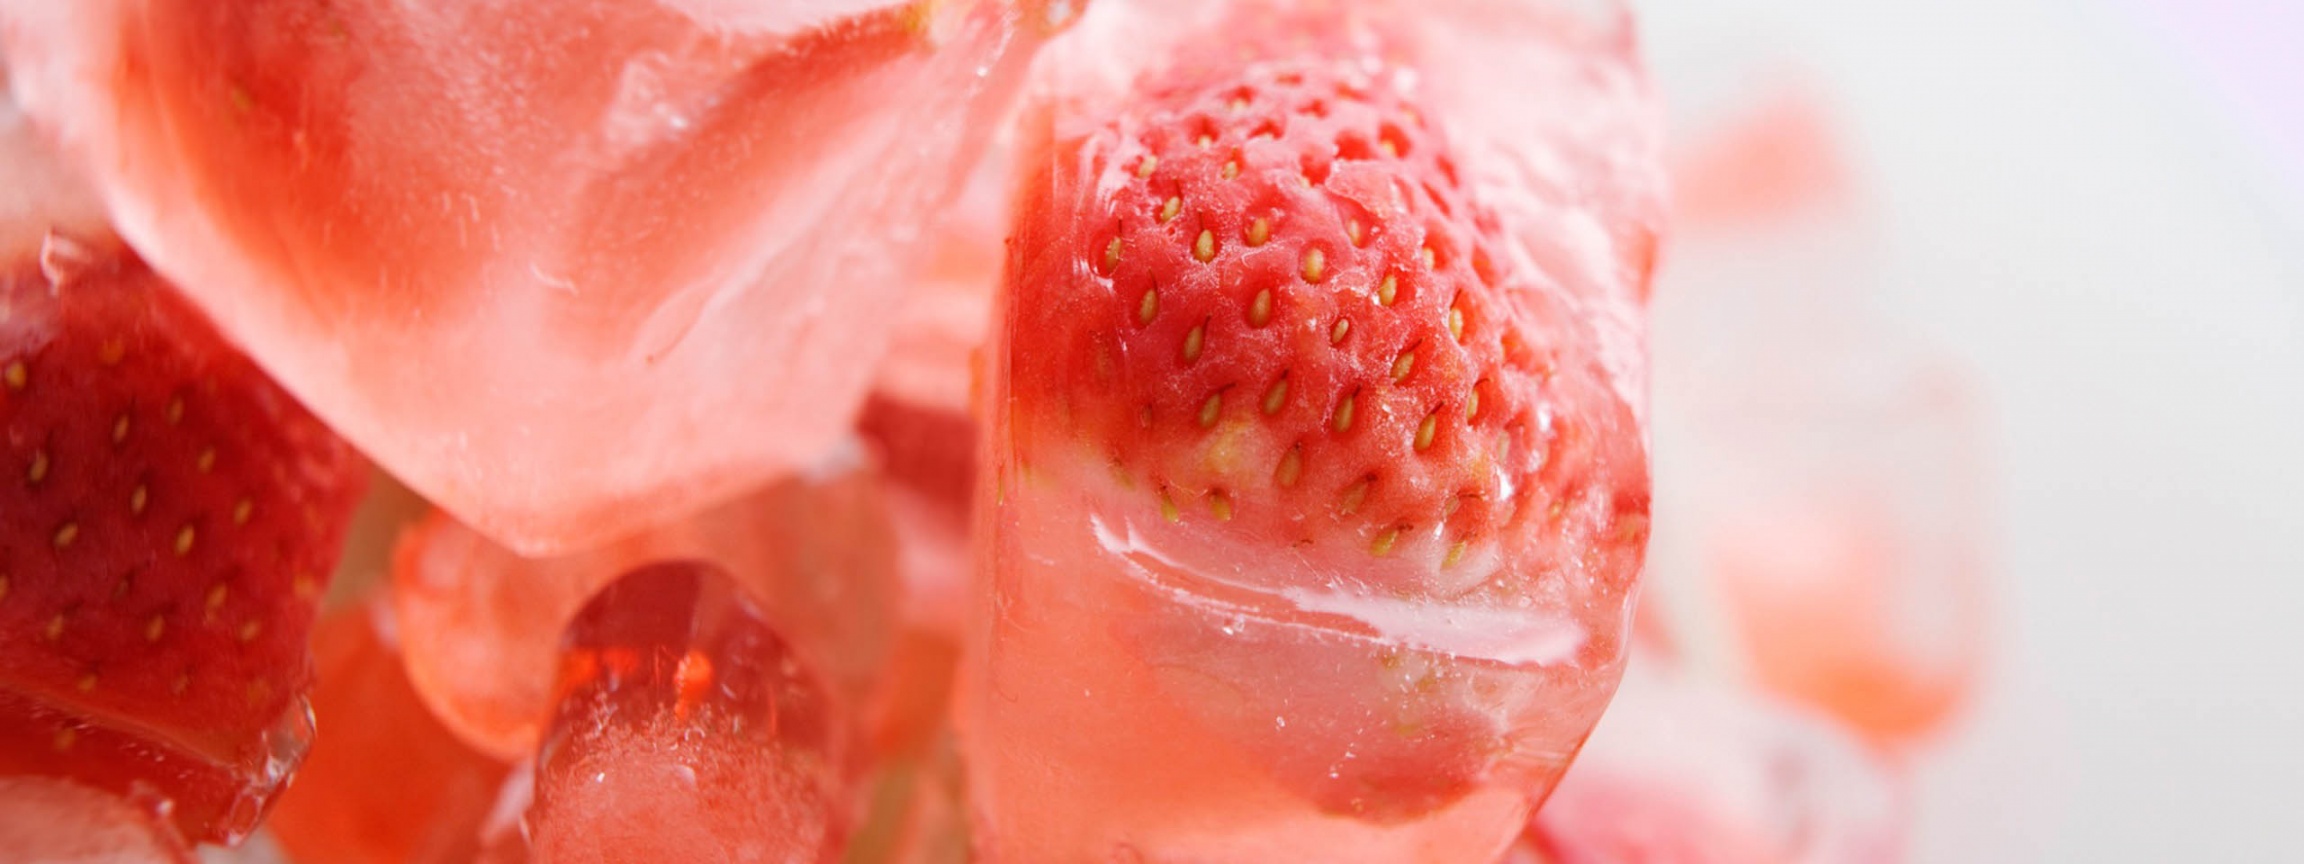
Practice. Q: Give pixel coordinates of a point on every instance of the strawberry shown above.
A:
(1263, 312)
(172, 517)
(1273, 301)
(567, 269)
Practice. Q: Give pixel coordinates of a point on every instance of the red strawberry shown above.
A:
(172, 517)
(1265, 301)
(1273, 301)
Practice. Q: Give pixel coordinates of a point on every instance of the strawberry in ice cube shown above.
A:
(52, 821)
(1681, 772)
(1316, 459)
(564, 267)
(686, 729)
(172, 517)
(480, 625)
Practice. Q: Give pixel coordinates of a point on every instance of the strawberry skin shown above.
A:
(1272, 301)
(173, 517)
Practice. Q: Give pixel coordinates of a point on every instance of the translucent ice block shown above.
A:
(40, 190)
(1846, 538)
(686, 730)
(567, 268)
(48, 820)
(127, 668)
(479, 625)
(1144, 686)
(1823, 499)
(1686, 773)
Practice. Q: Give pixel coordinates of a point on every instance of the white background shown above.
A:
(2067, 212)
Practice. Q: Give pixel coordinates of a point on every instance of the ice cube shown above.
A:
(60, 822)
(1682, 772)
(686, 730)
(1822, 507)
(565, 268)
(920, 419)
(940, 328)
(480, 625)
(1846, 541)
(1151, 679)
(40, 191)
(929, 455)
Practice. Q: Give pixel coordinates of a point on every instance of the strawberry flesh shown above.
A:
(173, 519)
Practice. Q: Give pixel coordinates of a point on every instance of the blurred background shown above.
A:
(2065, 240)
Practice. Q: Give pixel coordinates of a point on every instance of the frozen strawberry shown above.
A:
(1319, 489)
(1685, 773)
(172, 518)
(930, 458)
(566, 268)
(385, 782)
(942, 326)
(929, 454)
(929, 449)
(480, 625)
(686, 729)
(60, 822)
(920, 419)
(921, 427)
